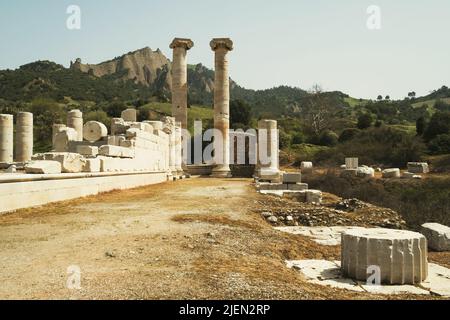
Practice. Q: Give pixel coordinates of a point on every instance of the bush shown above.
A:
(298, 138)
(364, 121)
(114, 110)
(440, 144)
(328, 138)
(348, 134)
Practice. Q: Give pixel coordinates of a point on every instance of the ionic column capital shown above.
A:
(181, 42)
(217, 43)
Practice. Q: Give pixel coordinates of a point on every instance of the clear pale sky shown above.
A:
(277, 42)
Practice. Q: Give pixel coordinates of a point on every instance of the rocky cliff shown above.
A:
(153, 69)
(143, 66)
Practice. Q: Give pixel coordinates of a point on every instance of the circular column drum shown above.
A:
(400, 255)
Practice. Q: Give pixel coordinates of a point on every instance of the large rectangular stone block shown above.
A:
(418, 167)
(267, 186)
(351, 163)
(297, 186)
(43, 167)
(314, 196)
(391, 173)
(142, 126)
(438, 236)
(292, 178)
(70, 162)
(115, 151)
(115, 140)
(91, 165)
(89, 151)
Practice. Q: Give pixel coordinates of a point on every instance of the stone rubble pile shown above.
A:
(284, 212)
(351, 205)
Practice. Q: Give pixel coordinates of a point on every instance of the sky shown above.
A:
(277, 42)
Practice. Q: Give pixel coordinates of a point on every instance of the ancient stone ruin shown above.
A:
(88, 157)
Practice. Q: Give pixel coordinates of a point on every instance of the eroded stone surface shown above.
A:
(292, 178)
(391, 173)
(328, 236)
(94, 131)
(89, 151)
(43, 167)
(365, 172)
(418, 167)
(70, 162)
(401, 255)
(438, 236)
(314, 196)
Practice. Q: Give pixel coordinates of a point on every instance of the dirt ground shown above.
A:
(193, 239)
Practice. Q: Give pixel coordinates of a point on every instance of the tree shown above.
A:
(439, 124)
(321, 111)
(380, 97)
(411, 95)
(364, 121)
(387, 98)
(240, 113)
(420, 126)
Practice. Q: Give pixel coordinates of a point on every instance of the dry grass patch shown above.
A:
(218, 219)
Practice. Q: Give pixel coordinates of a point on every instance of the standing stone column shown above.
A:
(221, 47)
(57, 128)
(179, 79)
(6, 138)
(268, 150)
(169, 128)
(75, 121)
(178, 149)
(24, 136)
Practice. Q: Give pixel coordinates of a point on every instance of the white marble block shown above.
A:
(438, 236)
(43, 167)
(401, 256)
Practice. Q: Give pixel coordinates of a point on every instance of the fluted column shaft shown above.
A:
(221, 47)
(24, 136)
(6, 138)
(179, 80)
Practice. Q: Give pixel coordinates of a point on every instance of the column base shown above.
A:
(269, 174)
(221, 173)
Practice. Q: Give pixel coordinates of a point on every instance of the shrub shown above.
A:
(348, 134)
(440, 144)
(328, 138)
(298, 138)
(364, 121)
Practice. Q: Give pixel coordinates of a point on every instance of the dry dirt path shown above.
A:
(193, 239)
